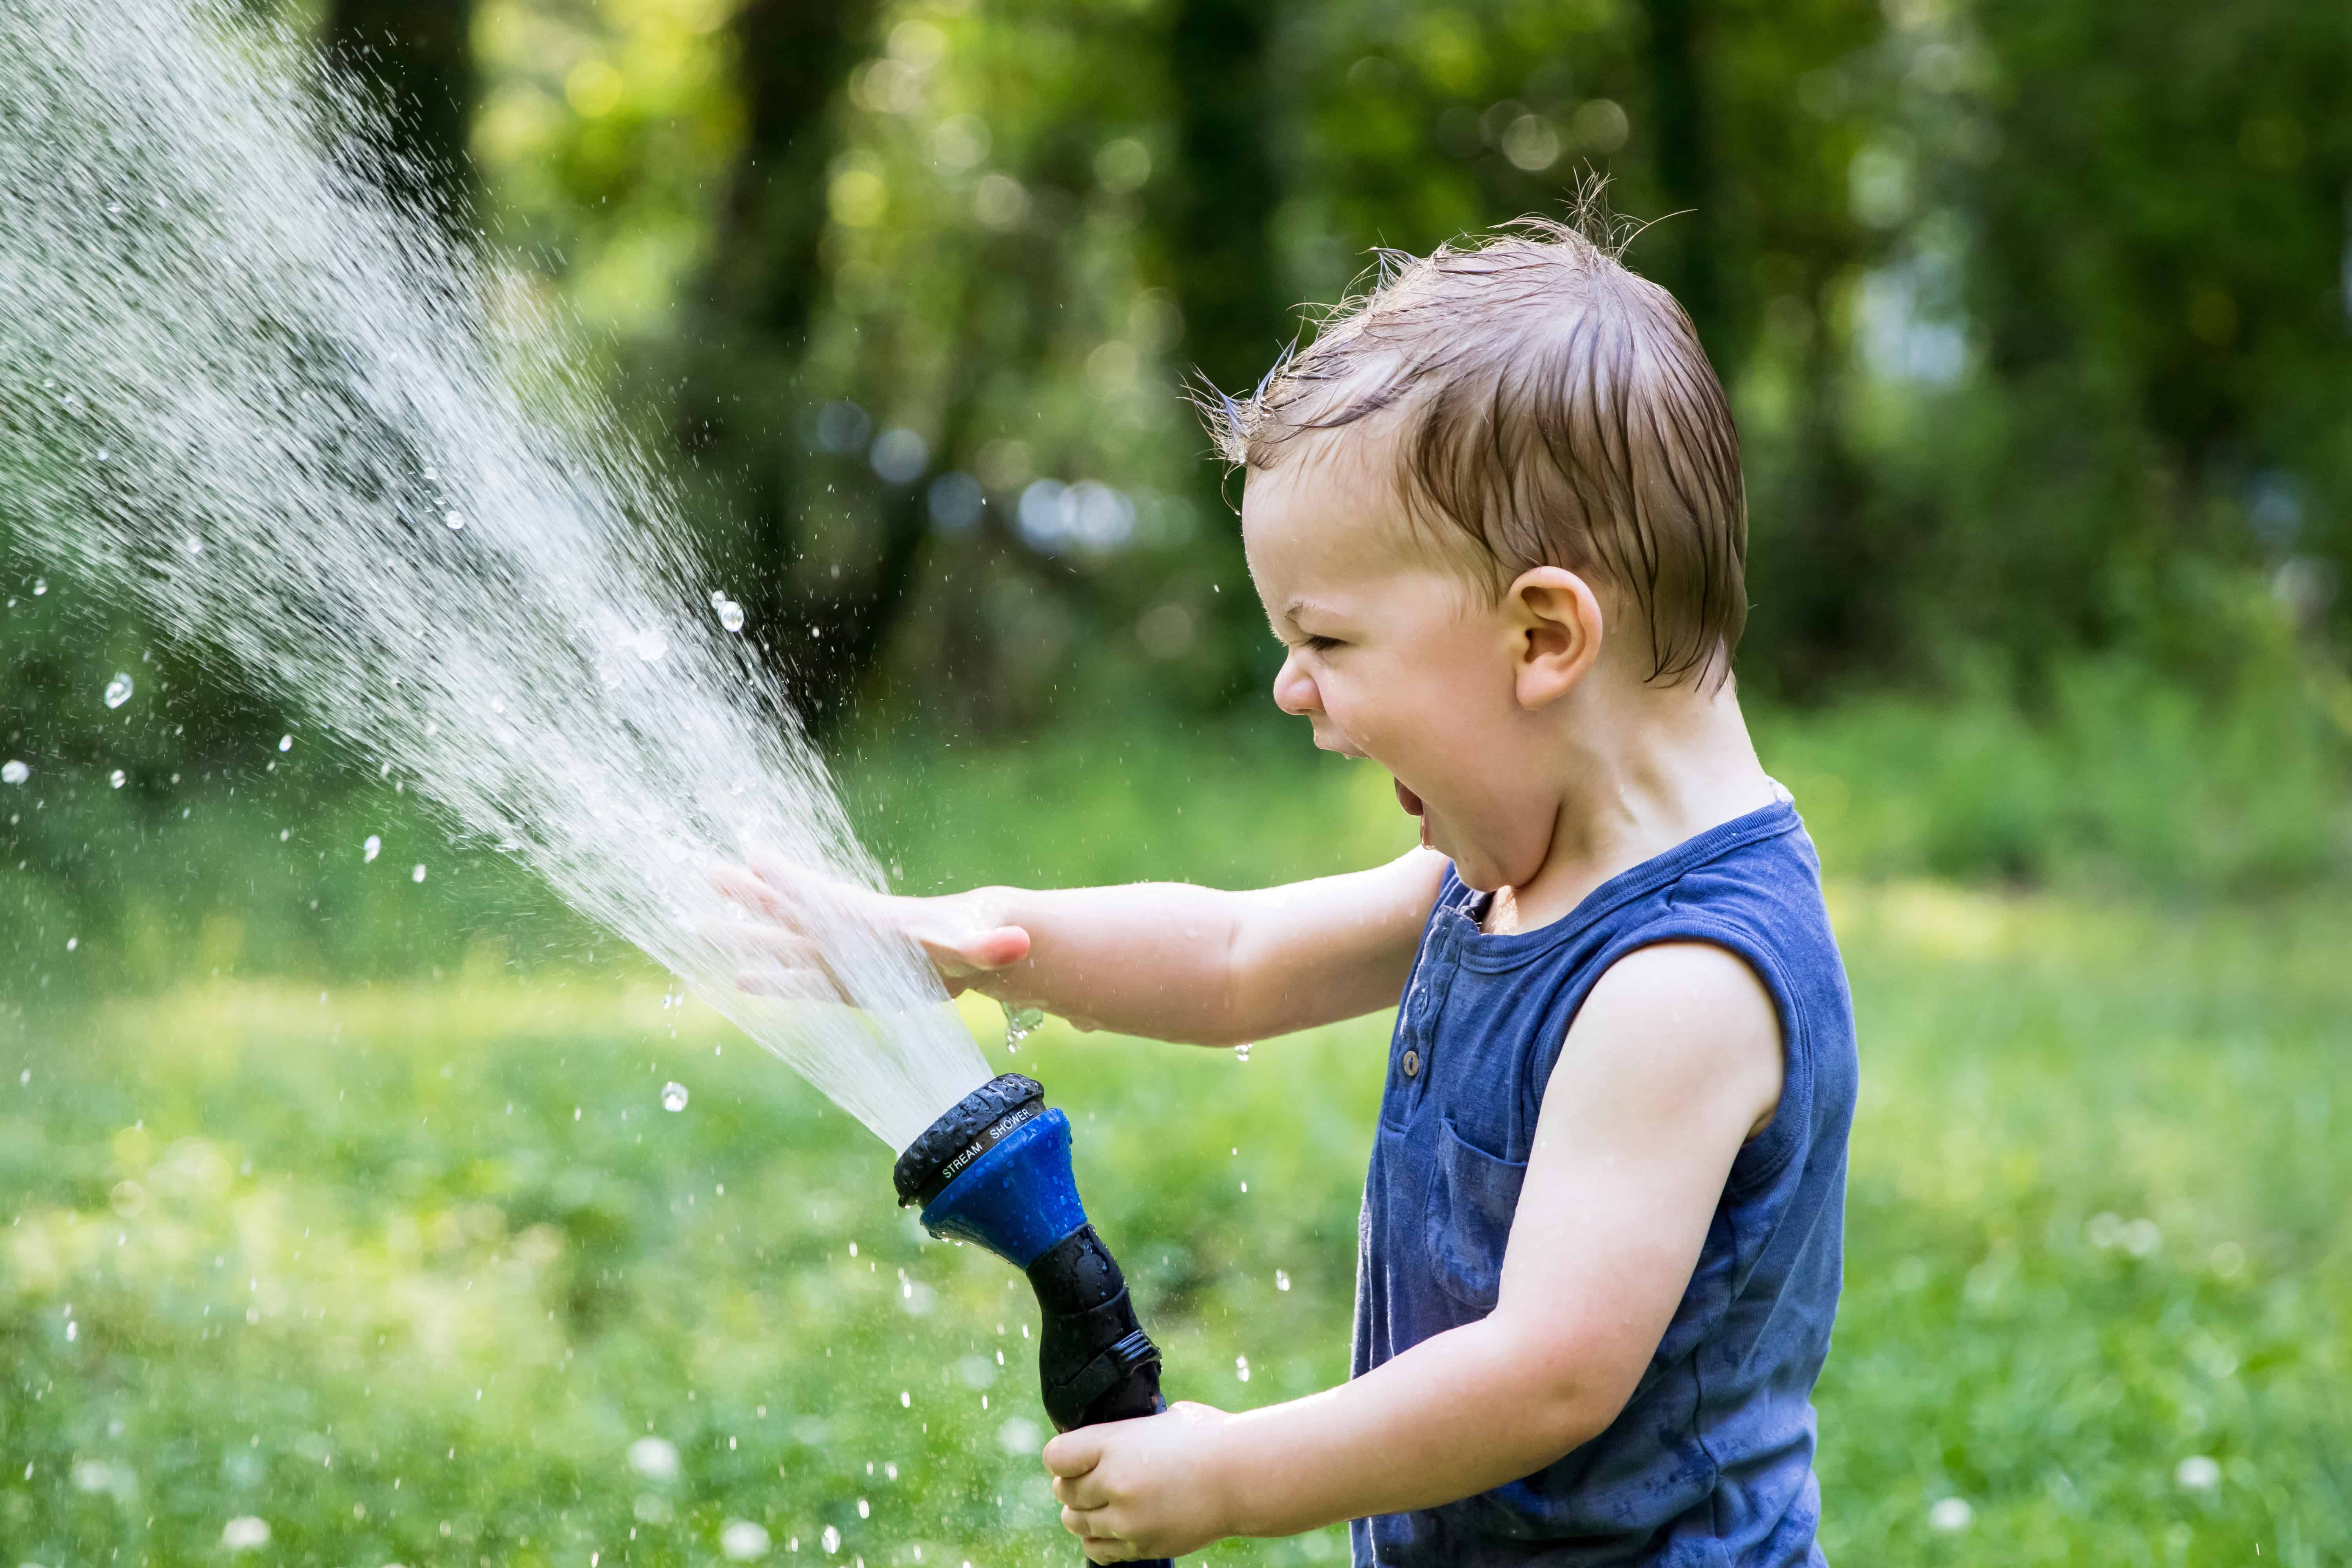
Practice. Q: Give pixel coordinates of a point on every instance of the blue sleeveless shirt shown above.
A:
(1710, 1463)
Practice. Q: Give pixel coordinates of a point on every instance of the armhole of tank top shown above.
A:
(1765, 1155)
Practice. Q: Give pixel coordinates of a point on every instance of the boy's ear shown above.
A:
(1556, 626)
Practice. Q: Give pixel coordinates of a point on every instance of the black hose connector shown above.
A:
(1093, 1360)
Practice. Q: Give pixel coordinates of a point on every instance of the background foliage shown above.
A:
(2038, 321)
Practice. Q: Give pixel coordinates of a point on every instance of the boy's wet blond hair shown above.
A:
(1553, 409)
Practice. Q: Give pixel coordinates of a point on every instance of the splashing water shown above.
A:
(353, 461)
(673, 1096)
(118, 691)
(1020, 1023)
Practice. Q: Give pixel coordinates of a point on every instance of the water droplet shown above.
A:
(13, 772)
(674, 1096)
(906, 1400)
(731, 616)
(284, 742)
(456, 520)
(1242, 1051)
(117, 690)
(1951, 1515)
(1241, 1367)
(656, 1459)
(1281, 1281)
(103, 454)
(40, 586)
(1020, 1023)
(416, 873)
(117, 778)
(742, 1541)
(832, 1539)
(864, 1510)
(245, 1533)
(2197, 1473)
(372, 848)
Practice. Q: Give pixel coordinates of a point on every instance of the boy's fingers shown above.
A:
(739, 886)
(1088, 1524)
(1109, 1548)
(1080, 1492)
(1073, 1453)
(990, 948)
(800, 889)
(781, 985)
(763, 942)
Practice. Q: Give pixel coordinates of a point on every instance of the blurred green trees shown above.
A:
(2035, 316)
(2038, 318)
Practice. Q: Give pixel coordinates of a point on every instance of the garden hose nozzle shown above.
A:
(995, 1170)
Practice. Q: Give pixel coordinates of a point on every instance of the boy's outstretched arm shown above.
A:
(1673, 1062)
(1164, 960)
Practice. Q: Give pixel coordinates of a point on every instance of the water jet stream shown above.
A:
(243, 389)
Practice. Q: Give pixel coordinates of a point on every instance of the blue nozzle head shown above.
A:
(995, 1170)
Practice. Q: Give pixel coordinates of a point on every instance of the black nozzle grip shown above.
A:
(1093, 1360)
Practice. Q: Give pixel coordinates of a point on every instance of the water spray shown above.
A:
(281, 414)
(995, 1170)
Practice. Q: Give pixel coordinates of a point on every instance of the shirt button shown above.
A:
(1411, 1063)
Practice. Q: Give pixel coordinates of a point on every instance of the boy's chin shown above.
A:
(1478, 872)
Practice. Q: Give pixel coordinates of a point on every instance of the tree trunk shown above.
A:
(419, 56)
(738, 392)
(1219, 207)
(1685, 165)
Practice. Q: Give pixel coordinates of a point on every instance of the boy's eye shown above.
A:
(1322, 643)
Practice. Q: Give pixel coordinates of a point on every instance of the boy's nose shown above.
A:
(1293, 689)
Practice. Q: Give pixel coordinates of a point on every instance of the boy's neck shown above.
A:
(1641, 769)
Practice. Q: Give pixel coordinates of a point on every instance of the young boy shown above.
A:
(1496, 515)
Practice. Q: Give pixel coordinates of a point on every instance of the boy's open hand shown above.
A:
(1150, 1488)
(792, 908)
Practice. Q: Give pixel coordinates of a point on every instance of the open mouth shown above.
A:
(1411, 802)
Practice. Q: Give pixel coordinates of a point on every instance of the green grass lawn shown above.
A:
(403, 1269)
(403, 1272)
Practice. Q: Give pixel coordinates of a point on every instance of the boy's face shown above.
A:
(1397, 656)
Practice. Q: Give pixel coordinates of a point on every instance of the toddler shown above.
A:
(1496, 516)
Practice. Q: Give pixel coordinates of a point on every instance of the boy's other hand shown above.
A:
(1150, 1488)
(792, 909)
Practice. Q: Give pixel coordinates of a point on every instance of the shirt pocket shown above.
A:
(1472, 1197)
